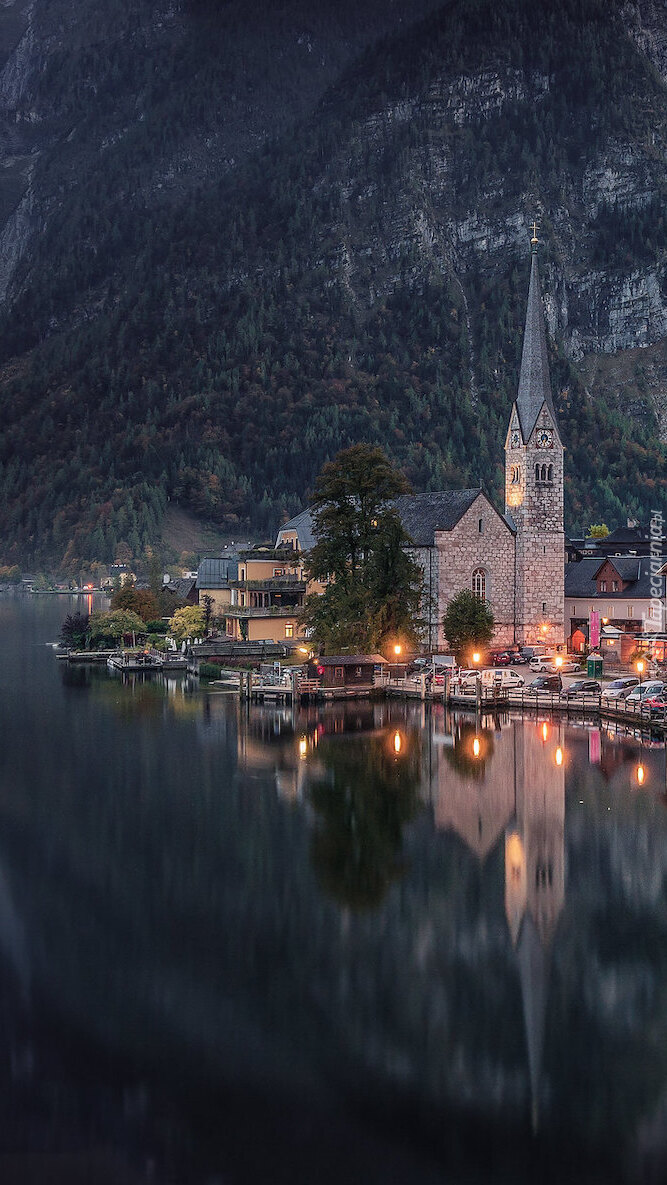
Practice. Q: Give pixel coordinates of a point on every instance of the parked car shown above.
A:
(503, 659)
(528, 652)
(619, 688)
(542, 662)
(645, 690)
(464, 680)
(517, 658)
(656, 705)
(582, 687)
(545, 683)
(503, 677)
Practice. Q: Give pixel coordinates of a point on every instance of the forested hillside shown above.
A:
(250, 236)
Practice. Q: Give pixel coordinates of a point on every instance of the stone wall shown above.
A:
(491, 548)
(536, 506)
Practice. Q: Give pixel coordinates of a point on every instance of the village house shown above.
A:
(628, 591)
(258, 595)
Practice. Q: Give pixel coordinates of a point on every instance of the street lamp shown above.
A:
(397, 650)
(640, 670)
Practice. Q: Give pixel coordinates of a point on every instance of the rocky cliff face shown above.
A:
(282, 189)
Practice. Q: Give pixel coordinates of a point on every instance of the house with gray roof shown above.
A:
(628, 591)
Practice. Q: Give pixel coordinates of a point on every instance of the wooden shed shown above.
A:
(347, 672)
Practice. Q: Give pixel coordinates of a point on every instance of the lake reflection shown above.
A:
(375, 942)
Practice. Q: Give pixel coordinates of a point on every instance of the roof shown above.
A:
(580, 576)
(216, 571)
(424, 514)
(421, 515)
(349, 660)
(303, 524)
(534, 381)
(182, 587)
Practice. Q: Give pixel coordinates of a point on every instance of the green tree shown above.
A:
(598, 531)
(207, 603)
(115, 625)
(187, 623)
(74, 630)
(468, 623)
(373, 587)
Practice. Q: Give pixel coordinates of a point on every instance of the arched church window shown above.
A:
(479, 583)
(515, 474)
(550, 473)
(537, 473)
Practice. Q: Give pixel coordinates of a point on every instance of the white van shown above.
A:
(502, 677)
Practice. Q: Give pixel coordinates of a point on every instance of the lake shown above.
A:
(369, 943)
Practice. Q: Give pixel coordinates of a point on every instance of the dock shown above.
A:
(127, 661)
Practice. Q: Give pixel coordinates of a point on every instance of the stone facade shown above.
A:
(534, 499)
(481, 543)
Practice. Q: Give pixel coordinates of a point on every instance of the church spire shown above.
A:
(534, 381)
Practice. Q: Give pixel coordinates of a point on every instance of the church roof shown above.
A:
(424, 514)
(534, 381)
(421, 515)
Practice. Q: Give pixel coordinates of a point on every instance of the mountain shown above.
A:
(238, 237)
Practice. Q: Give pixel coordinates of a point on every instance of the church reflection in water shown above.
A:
(364, 773)
(509, 789)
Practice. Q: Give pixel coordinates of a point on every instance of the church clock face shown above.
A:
(515, 440)
(545, 438)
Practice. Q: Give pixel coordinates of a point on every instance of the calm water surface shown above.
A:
(370, 944)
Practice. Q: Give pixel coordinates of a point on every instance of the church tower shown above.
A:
(534, 486)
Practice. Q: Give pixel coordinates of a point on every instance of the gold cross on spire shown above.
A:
(535, 229)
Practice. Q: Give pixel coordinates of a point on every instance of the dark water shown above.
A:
(369, 945)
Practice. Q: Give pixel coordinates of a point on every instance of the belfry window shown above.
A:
(515, 474)
(479, 583)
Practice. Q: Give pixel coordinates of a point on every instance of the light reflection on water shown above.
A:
(436, 945)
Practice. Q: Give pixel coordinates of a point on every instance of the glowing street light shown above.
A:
(640, 670)
(476, 657)
(476, 747)
(397, 649)
(558, 661)
(398, 743)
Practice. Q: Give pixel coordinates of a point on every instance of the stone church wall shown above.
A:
(466, 548)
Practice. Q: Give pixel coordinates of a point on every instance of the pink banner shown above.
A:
(594, 630)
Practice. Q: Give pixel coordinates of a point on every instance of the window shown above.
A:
(480, 526)
(515, 474)
(289, 630)
(357, 671)
(479, 583)
(550, 473)
(278, 571)
(603, 586)
(243, 598)
(630, 610)
(338, 672)
(544, 606)
(242, 574)
(614, 586)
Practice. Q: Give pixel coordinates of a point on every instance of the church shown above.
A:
(514, 558)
